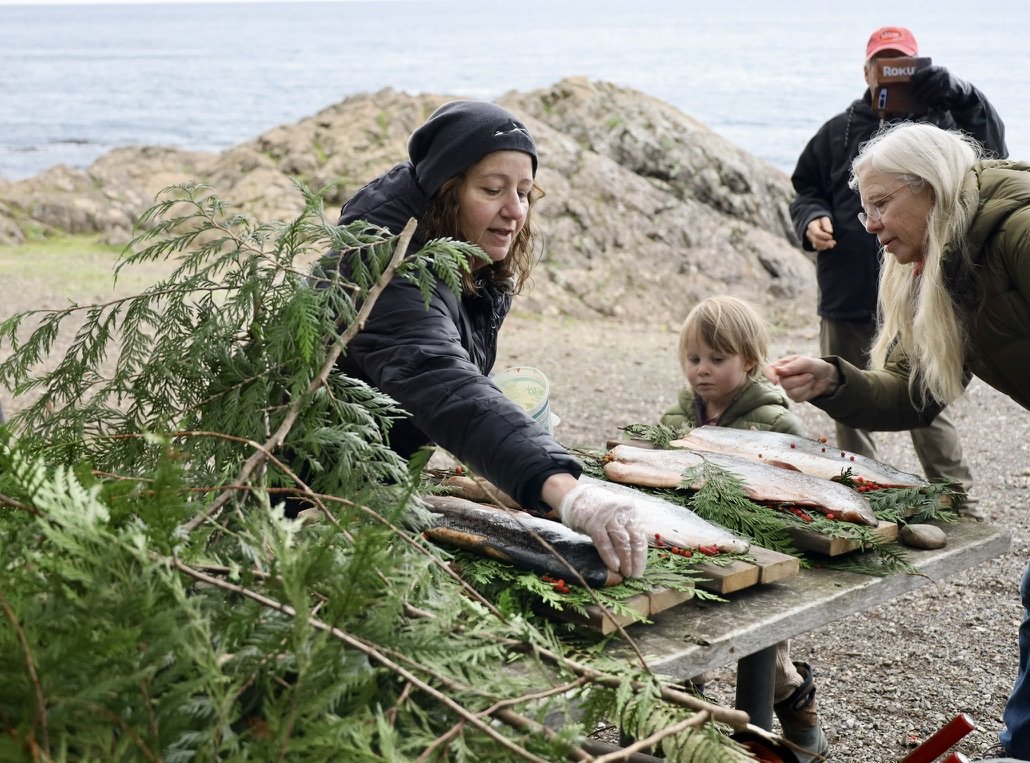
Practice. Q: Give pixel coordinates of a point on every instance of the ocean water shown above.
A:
(79, 80)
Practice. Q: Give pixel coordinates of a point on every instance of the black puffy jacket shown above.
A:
(435, 362)
(848, 275)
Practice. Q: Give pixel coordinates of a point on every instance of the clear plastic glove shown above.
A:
(940, 89)
(609, 520)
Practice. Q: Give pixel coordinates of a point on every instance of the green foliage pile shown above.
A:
(156, 604)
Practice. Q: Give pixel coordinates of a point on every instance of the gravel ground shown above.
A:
(891, 675)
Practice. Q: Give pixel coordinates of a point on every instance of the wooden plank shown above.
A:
(767, 566)
(774, 565)
(807, 540)
(662, 599)
(643, 606)
(722, 579)
(603, 622)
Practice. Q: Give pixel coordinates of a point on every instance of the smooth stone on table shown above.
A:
(923, 536)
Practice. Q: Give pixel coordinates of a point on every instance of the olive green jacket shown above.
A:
(759, 405)
(997, 297)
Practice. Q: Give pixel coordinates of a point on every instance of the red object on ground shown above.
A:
(763, 750)
(938, 743)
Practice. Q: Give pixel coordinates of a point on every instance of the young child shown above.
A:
(722, 347)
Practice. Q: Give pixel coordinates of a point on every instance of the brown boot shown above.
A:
(799, 718)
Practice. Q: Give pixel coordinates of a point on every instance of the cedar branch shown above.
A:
(277, 438)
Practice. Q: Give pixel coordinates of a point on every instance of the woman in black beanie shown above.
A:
(471, 177)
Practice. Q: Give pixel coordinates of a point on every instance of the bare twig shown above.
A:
(515, 720)
(16, 504)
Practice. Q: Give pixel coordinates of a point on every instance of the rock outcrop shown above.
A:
(646, 210)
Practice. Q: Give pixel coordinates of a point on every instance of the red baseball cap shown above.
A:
(892, 38)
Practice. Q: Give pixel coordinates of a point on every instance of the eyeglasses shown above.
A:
(877, 207)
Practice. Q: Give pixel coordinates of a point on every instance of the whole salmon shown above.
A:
(761, 482)
(515, 537)
(809, 456)
(676, 525)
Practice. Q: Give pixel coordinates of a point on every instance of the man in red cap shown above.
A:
(825, 214)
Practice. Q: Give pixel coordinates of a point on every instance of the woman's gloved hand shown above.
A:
(609, 520)
(939, 89)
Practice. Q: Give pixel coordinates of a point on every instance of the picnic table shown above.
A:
(697, 636)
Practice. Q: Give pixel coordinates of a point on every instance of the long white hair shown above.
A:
(913, 304)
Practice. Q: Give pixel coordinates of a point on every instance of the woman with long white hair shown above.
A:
(954, 303)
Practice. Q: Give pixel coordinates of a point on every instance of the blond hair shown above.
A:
(730, 326)
(916, 303)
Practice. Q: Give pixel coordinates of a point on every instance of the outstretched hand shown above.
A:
(609, 520)
(802, 377)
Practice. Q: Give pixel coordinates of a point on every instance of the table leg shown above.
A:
(755, 683)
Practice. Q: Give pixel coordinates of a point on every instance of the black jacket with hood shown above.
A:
(435, 362)
(848, 275)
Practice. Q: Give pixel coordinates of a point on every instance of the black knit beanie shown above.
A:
(459, 134)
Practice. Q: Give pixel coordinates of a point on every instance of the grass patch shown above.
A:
(73, 268)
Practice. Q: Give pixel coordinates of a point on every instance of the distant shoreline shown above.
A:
(156, 68)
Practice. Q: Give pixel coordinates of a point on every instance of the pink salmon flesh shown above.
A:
(762, 482)
(809, 456)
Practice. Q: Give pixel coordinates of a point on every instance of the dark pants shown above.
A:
(1016, 734)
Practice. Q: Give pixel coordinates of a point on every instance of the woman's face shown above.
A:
(493, 201)
(903, 213)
